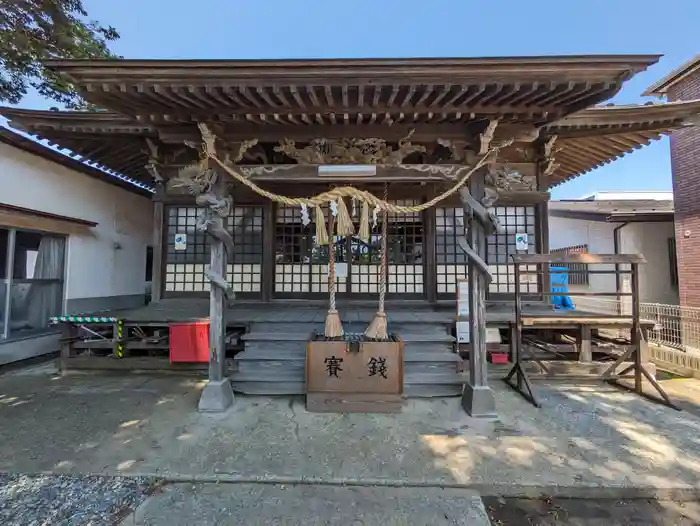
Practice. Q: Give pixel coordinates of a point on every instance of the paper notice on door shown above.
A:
(463, 332)
(180, 241)
(463, 298)
(521, 242)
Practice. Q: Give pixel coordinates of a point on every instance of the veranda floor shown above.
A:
(300, 311)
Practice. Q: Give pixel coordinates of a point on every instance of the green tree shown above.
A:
(32, 31)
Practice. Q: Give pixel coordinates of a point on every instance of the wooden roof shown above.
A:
(23, 143)
(597, 136)
(360, 91)
(588, 139)
(270, 100)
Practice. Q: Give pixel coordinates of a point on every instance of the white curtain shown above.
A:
(45, 298)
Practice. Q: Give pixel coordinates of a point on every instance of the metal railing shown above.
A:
(675, 326)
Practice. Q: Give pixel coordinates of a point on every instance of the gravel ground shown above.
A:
(551, 511)
(67, 500)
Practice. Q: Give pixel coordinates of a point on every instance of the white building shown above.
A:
(624, 223)
(72, 239)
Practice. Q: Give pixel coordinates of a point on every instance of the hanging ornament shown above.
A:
(354, 207)
(334, 208)
(375, 214)
(305, 219)
(344, 226)
(364, 233)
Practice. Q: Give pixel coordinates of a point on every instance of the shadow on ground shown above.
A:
(590, 438)
(580, 512)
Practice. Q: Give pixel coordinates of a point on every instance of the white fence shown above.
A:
(675, 326)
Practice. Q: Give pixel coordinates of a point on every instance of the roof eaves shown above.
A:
(35, 148)
(660, 87)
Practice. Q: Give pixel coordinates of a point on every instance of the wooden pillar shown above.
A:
(268, 261)
(217, 314)
(69, 333)
(217, 394)
(157, 275)
(636, 336)
(477, 398)
(542, 225)
(583, 343)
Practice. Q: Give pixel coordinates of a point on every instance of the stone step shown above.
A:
(419, 390)
(435, 378)
(303, 337)
(297, 351)
(274, 336)
(298, 375)
(355, 325)
(431, 356)
(276, 367)
(431, 390)
(282, 347)
(429, 367)
(430, 347)
(253, 387)
(426, 336)
(281, 353)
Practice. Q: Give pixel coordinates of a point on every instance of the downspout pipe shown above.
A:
(616, 250)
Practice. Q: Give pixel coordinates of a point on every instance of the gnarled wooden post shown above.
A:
(477, 397)
(211, 194)
(217, 394)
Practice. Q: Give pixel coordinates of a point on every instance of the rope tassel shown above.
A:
(378, 329)
(333, 327)
(364, 223)
(344, 226)
(321, 233)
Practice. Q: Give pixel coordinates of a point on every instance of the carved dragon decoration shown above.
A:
(498, 178)
(350, 151)
(549, 164)
(201, 182)
(153, 161)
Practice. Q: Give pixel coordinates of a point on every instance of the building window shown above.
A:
(32, 271)
(673, 261)
(578, 272)
(452, 263)
(186, 261)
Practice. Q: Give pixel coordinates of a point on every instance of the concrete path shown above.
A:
(583, 441)
(263, 504)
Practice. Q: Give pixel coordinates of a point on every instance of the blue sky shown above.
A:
(411, 28)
